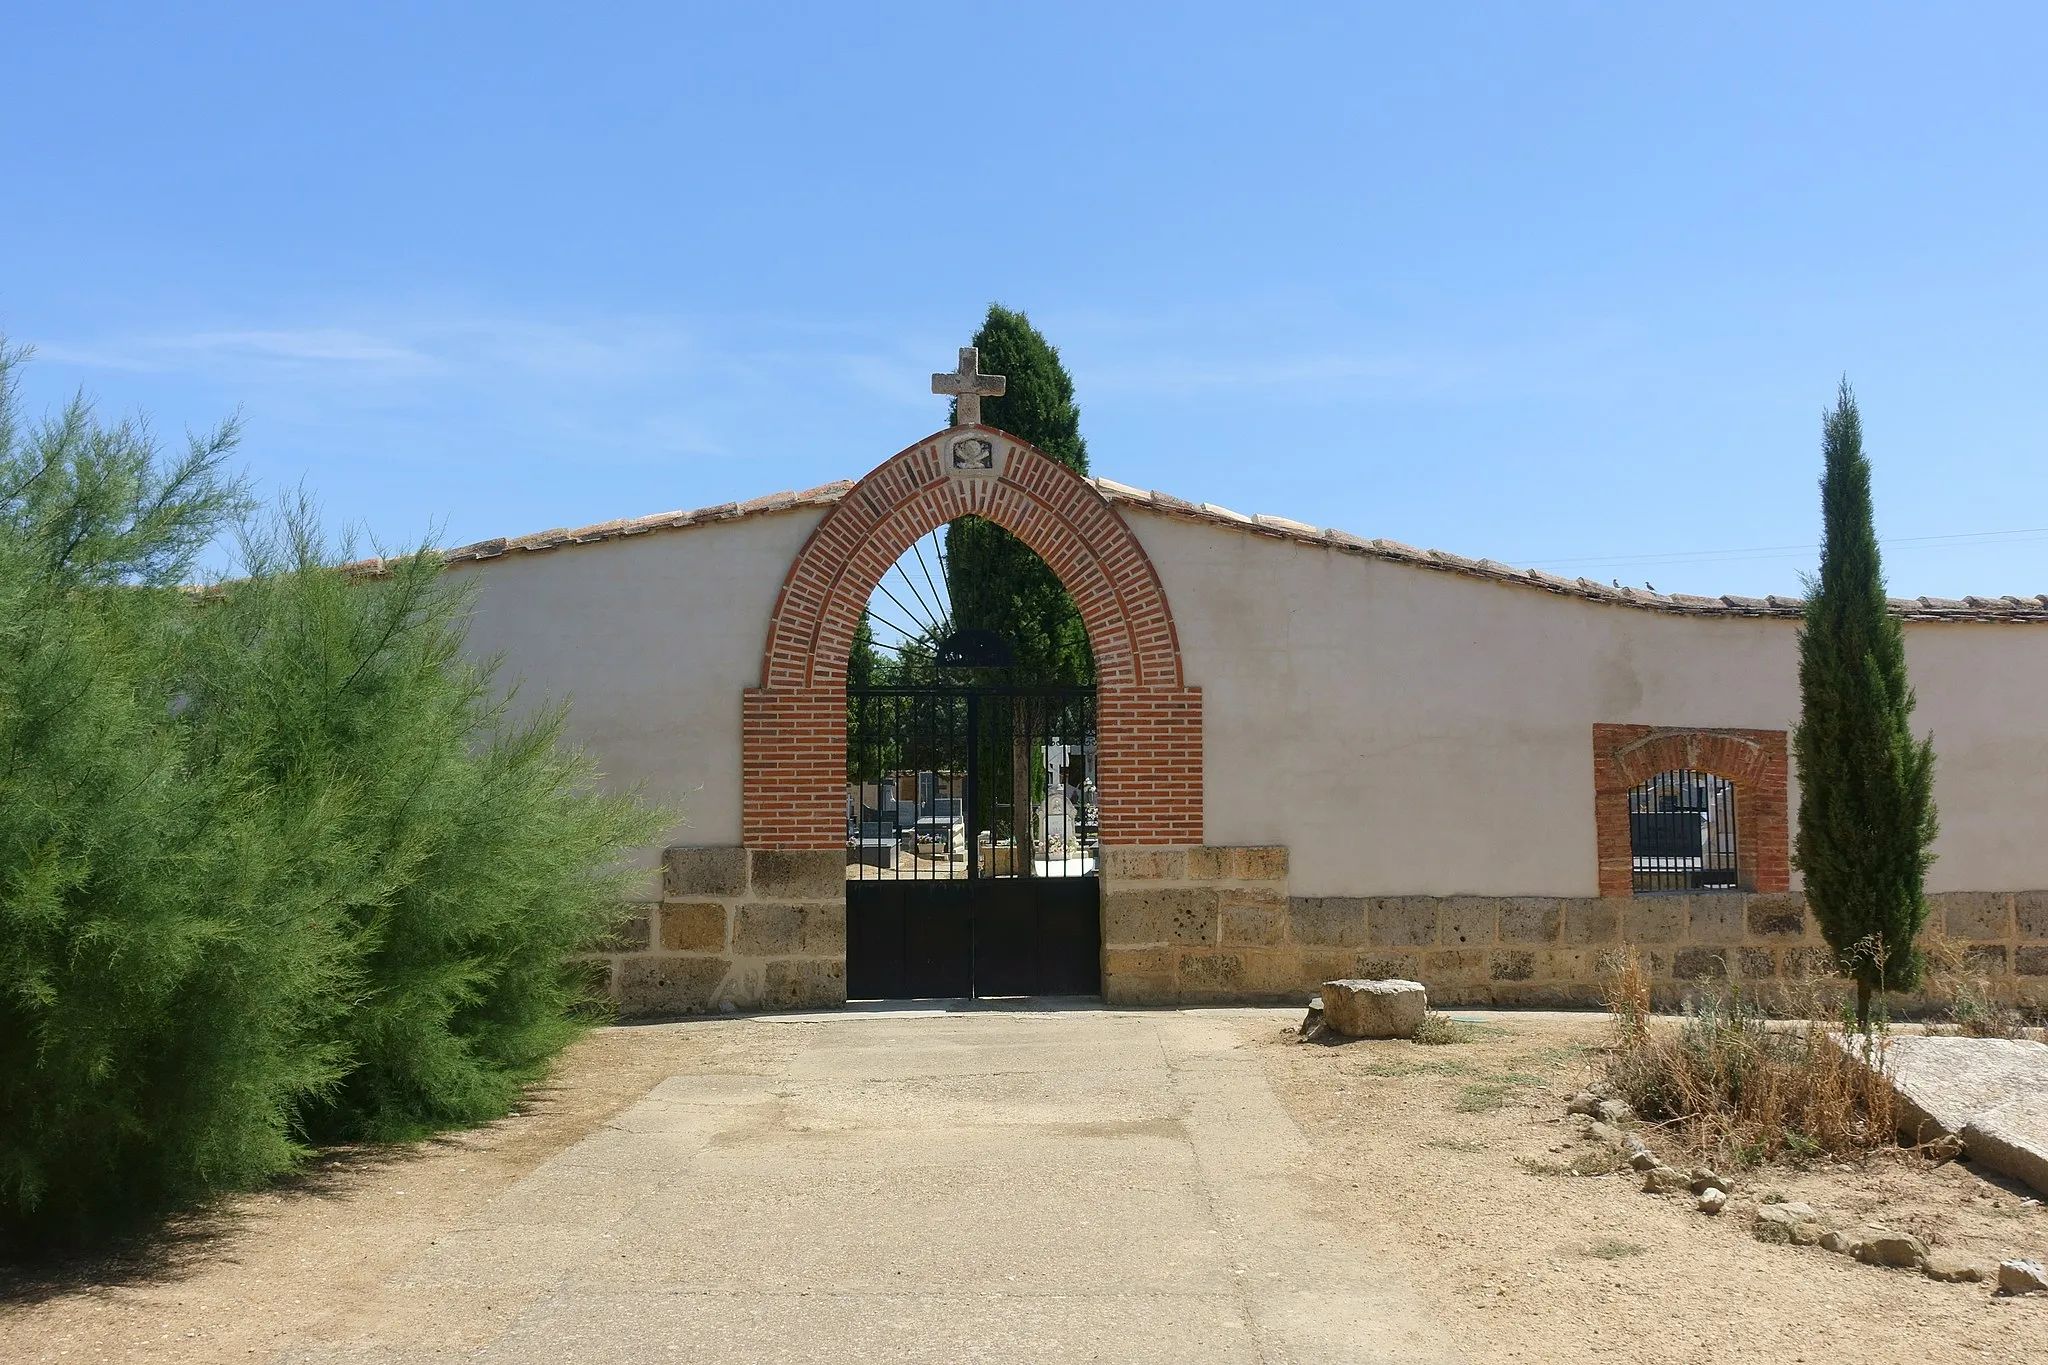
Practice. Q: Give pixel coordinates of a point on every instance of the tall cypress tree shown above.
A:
(995, 581)
(1866, 786)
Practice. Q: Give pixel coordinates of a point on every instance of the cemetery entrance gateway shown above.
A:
(793, 727)
(972, 854)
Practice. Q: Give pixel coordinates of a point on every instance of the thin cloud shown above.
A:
(1303, 371)
(333, 348)
(322, 344)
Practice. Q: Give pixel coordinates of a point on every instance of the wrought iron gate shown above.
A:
(971, 842)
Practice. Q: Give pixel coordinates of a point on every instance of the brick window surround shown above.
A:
(793, 763)
(1626, 756)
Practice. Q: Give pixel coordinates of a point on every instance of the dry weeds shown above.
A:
(1727, 1082)
(1976, 1004)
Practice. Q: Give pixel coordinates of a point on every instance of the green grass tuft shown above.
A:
(1483, 1097)
(1614, 1251)
(1462, 1145)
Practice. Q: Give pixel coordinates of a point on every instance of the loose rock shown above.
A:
(1607, 1133)
(1840, 1242)
(1665, 1180)
(1899, 1249)
(2022, 1277)
(1713, 1201)
(1615, 1111)
(1953, 1269)
(1645, 1160)
(1374, 1009)
(1585, 1102)
(1703, 1180)
(1783, 1222)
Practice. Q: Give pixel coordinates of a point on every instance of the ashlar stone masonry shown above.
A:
(1209, 925)
(750, 928)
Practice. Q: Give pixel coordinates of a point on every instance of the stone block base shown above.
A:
(749, 928)
(1208, 925)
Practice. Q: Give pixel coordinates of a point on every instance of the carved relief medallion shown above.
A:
(970, 455)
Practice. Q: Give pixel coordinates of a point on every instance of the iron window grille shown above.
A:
(1681, 833)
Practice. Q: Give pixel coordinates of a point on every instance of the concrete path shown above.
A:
(922, 1186)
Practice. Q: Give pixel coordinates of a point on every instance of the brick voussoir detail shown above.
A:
(793, 765)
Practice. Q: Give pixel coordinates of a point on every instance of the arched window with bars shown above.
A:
(1682, 833)
(1666, 802)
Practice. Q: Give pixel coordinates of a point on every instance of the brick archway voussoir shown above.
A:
(1149, 721)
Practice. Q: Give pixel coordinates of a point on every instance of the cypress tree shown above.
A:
(995, 580)
(1866, 803)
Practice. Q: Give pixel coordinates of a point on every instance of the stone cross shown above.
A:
(970, 386)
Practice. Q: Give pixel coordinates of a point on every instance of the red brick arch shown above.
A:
(1626, 756)
(1150, 723)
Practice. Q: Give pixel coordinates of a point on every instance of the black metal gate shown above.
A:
(971, 843)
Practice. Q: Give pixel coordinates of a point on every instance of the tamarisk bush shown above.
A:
(277, 863)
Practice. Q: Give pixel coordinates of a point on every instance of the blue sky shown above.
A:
(1566, 285)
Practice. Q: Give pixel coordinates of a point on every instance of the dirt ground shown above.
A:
(1423, 1150)
(242, 1281)
(1417, 1153)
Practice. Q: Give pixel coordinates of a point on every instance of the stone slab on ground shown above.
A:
(1359, 1008)
(1946, 1082)
(2013, 1139)
(1996, 1088)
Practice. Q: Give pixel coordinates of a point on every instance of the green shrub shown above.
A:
(274, 865)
